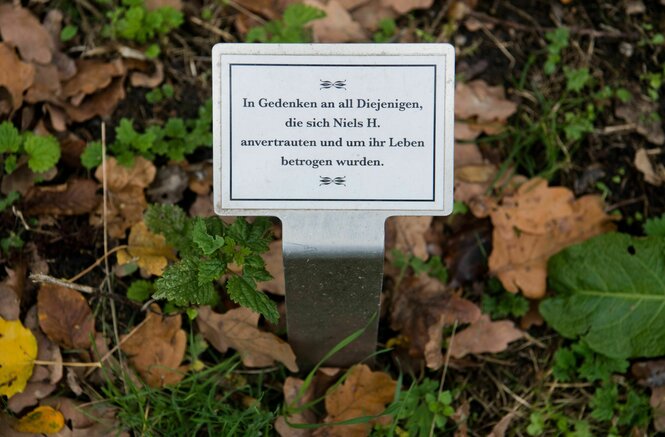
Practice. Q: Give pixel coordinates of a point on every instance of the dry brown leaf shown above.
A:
(484, 336)
(534, 224)
(658, 408)
(238, 329)
(46, 84)
(291, 389)
(75, 197)
(15, 76)
(275, 266)
(404, 6)
(655, 175)
(91, 76)
(151, 5)
(22, 29)
(150, 251)
(482, 102)
(337, 26)
(363, 393)
(65, 316)
(640, 111)
(370, 13)
(86, 419)
(499, 430)
(156, 348)
(202, 207)
(11, 290)
(146, 80)
(435, 308)
(407, 234)
(126, 197)
(102, 103)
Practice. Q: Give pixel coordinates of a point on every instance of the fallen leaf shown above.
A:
(275, 266)
(149, 251)
(657, 402)
(22, 29)
(291, 389)
(200, 178)
(30, 396)
(91, 76)
(499, 430)
(653, 174)
(11, 290)
(74, 197)
(15, 76)
(126, 200)
(156, 348)
(436, 307)
(534, 224)
(476, 99)
(649, 373)
(19, 348)
(65, 316)
(23, 178)
(238, 329)
(640, 111)
(370, 13)
(101, 103)
(41, 420)
(152, 80)
(484, 336)
(151, 5)
(404, 6)
(337, 26)
(363, 393)
(46, 84)
(407, 234)
(202, 207)
(87, 419)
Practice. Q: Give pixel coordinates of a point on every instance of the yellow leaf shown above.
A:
(19, 351)
(41, 420)
(149, 250)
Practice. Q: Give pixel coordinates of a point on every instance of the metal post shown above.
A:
(333, 266)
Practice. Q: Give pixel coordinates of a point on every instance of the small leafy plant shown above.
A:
(290, 29)
(133, 22)
(433, 267)
(177, 138)
(209, 249)
(499, 303)
(42, 152)
(557, 40)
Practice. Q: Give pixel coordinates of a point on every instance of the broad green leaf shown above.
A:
(92, 155)
(43, 152)
(655, 227)
(610, 292)
(207, 243)
(180, 285)
(10, 139)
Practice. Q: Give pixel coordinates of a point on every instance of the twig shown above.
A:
(212, 29)
(96, 263)
(62, 363)
(445, 371)
(41, 278)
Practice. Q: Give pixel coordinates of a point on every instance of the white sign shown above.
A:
(333, 127)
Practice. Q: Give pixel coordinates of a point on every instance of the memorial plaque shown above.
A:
(333, 139)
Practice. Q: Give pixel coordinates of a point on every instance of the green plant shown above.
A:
(8, 201)
(159, 94)
(606, 405)
(386, 31)
(610, 292)
(206, 248)
(499, 303)
(433, 267)
(11, 241)
(42, 152)
(655, 227)
(174, 140)
(548, 419)
(68, 32)
(209, 402)
(140, 290)
(579, 361)
(133, 22)
(290, 29)
(557, 40)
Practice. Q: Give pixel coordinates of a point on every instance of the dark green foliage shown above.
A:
(580, 361)
(140, 290)
(610, 292)
(6, 202)
(606, 405)
(290, 29)
(177, 138)
(433, 267)
(499, 303)
(206, 247)
(655, 227)
(132, 21)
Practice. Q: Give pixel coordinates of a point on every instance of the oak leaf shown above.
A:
(65, 316)
(18, 26)
(19, 350)
(157, 347)
(150, 251)
(534, 224)
(74, 197)
(484, 336)
(484, 103)
(41, 420)
(15, 76)
(363, 393)
(436, 308)
(294, 399)
(238, 329)
(126, 197)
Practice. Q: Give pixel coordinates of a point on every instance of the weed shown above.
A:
(211, 402)
(11, 241)
(386, 31)
(177, 138)
(499, 303)
(290, 29)
(140, 290)
(579, 361)
(606, 405)
(433, 267)
(655, 227)
(206, 247)
(557, 40)
(42, 152)
(157, 95)
(68, 32)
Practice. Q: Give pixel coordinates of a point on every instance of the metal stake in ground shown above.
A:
(333, 139)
